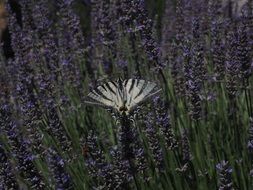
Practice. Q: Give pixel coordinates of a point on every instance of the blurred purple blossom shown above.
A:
(164, 123)
(153, 142)
(243, 49)
(186, 152)
(50, 55)
(7, 177)
(233, 66)
(225, 177)
(97, 165)
(57, 166)
(122, 172)
(250, 138)
(178, 47)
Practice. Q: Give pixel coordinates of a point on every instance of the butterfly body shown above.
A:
(123, 95)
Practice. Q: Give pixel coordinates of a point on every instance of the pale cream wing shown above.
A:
(138, 91)
(106, 94)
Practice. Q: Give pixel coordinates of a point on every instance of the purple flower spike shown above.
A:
(56, 165)
(153, 142)
(250, 138)
(224, 173)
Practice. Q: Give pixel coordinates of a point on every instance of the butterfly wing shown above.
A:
(105, 95)
(129, 93)
(138, 91)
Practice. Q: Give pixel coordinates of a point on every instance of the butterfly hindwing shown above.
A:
(133, 88)
(138, 91)
(146, 89)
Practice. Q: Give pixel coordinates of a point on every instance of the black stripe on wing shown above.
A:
(126, 81)
(110, 88)
(102, 92)
(136, 88)
(146, 90)
(101, 95)
(150, 95)
(142, 88)
(114, 84)
(103, 86)
(131, 86)
(120, 84)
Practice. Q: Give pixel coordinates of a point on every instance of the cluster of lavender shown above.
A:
(227, 52)
(128, 160)
(153, 142)
(57, 166)
(206, 46)
(48, 51)
(123, 23)
(217, 43)
(109, 175)
(164, 122)
(210, 44)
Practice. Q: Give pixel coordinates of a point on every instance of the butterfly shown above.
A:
(123, 95)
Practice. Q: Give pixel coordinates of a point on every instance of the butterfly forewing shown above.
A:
(103, 95)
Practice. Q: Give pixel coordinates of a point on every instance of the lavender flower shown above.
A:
(57, 166)
(46, 56)
(37, 50)
(121, 169)
(188, 9)
(177, 51)
(217, 43)
(195, 72)
(104, 33)
(7, 177)
(153, 143)
(70, 43)
(186, 157)
(126, 138)
(218, 50)
(56, 130)
(163, 121)
(250, 138)
(243, 50)
(193, 91)
(247, 16)
(186, 152)
(106, 27)
(20, 147)
(50, 67)
(134, 19)
(224, 173)
(26, 165)
(22, 77)
(180, 32)
(167, 31)
(130, 146)
(140, 161)
(232, 64)
(97, 165)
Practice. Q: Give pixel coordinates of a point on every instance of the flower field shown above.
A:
(196, 133)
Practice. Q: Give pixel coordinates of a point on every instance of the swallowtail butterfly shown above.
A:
(123, 95)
